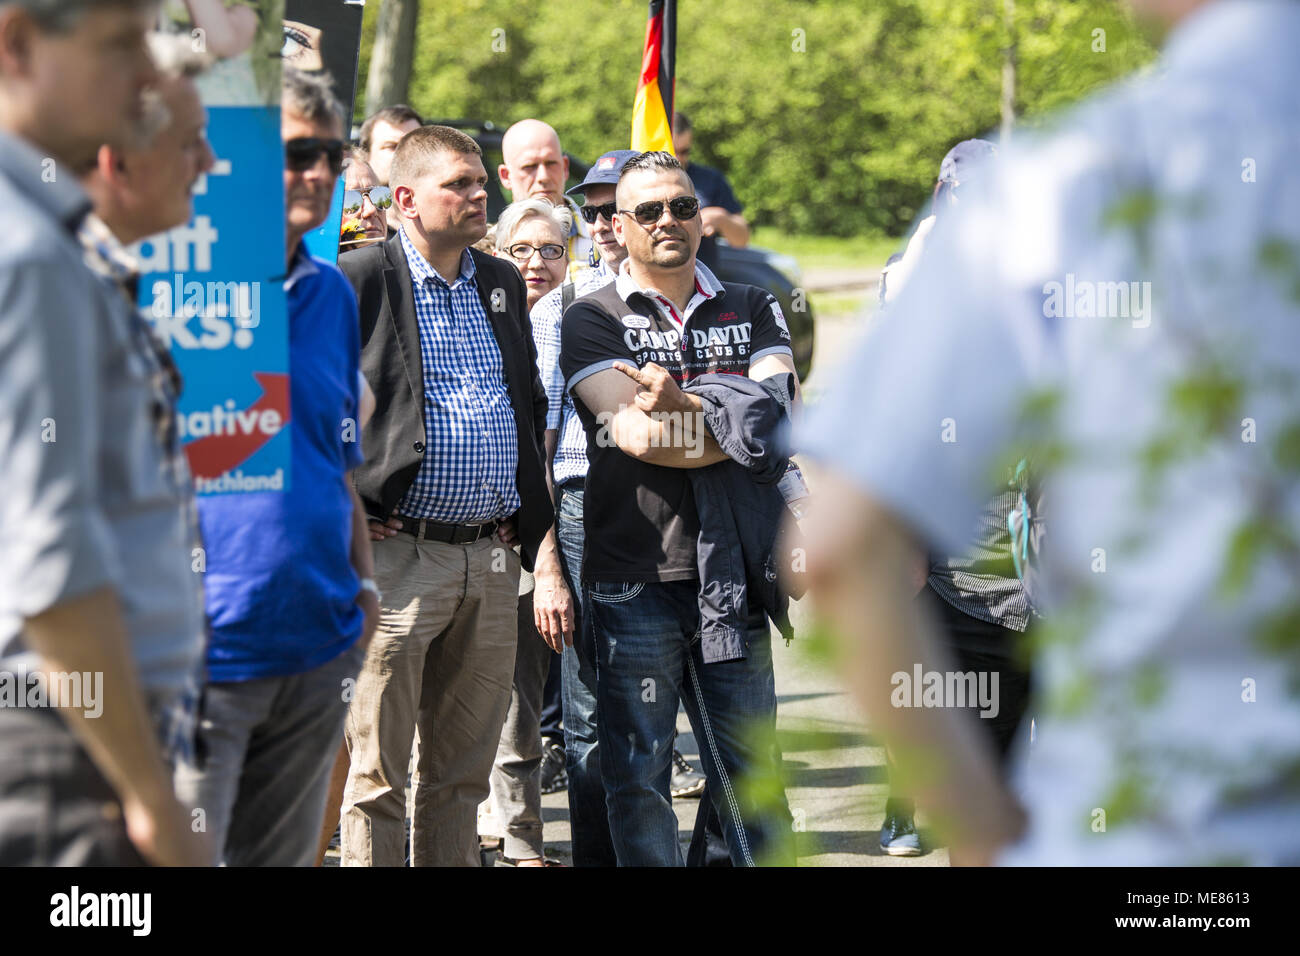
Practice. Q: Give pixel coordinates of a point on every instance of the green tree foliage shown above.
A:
(830, 117)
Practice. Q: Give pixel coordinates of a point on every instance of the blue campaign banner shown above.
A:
(323, 243)
(213, 290)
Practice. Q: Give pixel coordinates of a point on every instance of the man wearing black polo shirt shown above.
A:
(627, 347)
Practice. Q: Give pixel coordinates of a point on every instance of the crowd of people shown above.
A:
(543, 494)
(272, 660)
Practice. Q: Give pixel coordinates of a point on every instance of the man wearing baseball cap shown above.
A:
(959, 165)
(557, 600)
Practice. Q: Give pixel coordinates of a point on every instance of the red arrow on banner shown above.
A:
(214, 455)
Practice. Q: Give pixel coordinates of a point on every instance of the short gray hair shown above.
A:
(514, 215)
(311, 96)
(176, 60)
(59, 16)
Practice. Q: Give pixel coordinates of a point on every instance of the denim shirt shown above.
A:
(740, 508)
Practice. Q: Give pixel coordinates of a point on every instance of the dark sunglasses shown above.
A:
(354, 199)
(649, 213)
(590, 213)
(303, 153)
(523, 251)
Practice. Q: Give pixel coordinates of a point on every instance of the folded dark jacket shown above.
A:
(740, 507)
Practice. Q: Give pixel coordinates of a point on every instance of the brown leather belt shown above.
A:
(446, 533)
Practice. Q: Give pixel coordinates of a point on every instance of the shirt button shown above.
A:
(419, 447)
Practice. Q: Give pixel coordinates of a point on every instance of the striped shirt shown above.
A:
(471, 452)
(547, 318)
(981, 581)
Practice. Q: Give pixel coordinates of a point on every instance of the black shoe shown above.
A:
(554, 777)
(898, 836)
(686, 780)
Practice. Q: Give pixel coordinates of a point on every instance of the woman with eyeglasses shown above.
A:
(532, 233)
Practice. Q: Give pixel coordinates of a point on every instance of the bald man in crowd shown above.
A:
(535, 165)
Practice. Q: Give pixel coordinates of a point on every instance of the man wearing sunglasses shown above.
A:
(289, 587)
(625, 352)
(365, 204)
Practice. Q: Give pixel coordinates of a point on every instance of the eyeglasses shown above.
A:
(354, 199)
(683, 209)
(303, 153)
(523, 251)
(590, 213)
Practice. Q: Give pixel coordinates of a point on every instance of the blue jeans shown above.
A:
(648, 657)
(588, 818)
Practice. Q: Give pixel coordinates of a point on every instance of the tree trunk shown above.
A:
(1008, 68)
(390, 61)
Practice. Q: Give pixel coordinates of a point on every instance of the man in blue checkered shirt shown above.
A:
(455, 480)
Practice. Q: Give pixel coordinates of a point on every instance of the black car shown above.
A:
(777, 273)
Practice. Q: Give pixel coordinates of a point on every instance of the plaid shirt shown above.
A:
(547, 318)
(471, 449)
(107, 257)
(173, 714)
(980, 582)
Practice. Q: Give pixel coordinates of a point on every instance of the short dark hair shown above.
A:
(649, 162)
(311, 96)
(681, 122)
(420, 145)
(392, 115)
(59, 16)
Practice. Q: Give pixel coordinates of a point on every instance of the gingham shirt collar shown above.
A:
(105, 254)
(422, 271)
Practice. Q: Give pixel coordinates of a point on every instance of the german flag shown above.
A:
(652, 112)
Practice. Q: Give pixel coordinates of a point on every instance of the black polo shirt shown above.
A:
(640, 519)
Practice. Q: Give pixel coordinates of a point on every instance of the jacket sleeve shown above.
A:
(365, 274)
(536, 390)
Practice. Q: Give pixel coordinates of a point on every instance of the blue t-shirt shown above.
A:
(280, 587)
(712, 188)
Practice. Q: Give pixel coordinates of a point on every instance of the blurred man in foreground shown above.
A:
(103, 654)
(1132, 287)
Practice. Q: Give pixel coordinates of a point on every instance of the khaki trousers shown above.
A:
(438, 673)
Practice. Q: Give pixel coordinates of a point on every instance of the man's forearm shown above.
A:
(88, 635)
(547, 562)
(666, 438)
(550, 445)
(735, 230)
